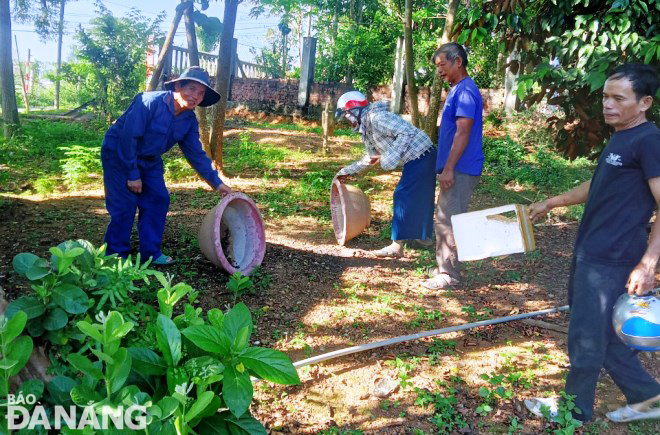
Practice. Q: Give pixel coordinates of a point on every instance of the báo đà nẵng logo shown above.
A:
(101, 417)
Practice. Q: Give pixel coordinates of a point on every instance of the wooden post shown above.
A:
(328, 122)
(153, 84)
(26, 101)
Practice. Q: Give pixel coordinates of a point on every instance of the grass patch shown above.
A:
(50, 154)
(515, 173)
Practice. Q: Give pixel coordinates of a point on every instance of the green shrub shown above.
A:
(45, 149)
(191, 373)
(79, 163)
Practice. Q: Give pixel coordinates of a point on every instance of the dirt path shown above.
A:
(316, 297)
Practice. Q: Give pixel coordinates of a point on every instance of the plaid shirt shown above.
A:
(389, 137)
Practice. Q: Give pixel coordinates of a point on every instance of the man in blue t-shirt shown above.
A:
(460, 158)
(612, 251)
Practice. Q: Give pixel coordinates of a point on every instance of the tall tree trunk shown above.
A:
(24, 91)
(193, 60)
(284, 53)
(431, 121)
(355, 14)
(222, 80)
(9, 106)
(410, 64)
(155, 78)
(300, 30)
(60, 34)
(511, 100)
(333, 76)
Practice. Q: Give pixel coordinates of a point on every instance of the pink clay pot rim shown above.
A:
(341, 226)
(258, 258)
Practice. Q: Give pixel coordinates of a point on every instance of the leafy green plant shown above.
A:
(491, 394)
(79, 163)
(239, 284)
(477, 315)
(197, 367)
(514, 426)
(440, 347)
(15, 349)
(445, 415)
(565, 421)
(404, 368)
(426, 319)
(77, 278)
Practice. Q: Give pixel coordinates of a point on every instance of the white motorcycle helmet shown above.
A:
(351, 105)
(636, 320)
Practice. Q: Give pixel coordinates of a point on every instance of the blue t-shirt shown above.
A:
(464, 100)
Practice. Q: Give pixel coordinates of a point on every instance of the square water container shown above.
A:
(493, 232)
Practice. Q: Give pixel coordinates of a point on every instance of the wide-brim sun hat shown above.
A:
(198, 75)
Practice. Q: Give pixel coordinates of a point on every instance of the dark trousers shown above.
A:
(592, 343)
(152, 204)
(412, 212)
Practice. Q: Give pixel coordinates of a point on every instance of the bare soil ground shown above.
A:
(322, 297)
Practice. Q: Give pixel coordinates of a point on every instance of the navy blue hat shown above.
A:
(196, 74)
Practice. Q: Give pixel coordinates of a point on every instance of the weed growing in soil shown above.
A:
(404, 368)
(445, 416)
(426, 319)
(514, 426)
(493, 393)
(477, 315)
(440, 347)
(239, 284)
(566, 424)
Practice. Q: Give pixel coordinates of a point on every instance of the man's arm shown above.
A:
(574, 196)
(461, 138)
(642, 278)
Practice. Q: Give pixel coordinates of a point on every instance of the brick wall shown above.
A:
(281, 96)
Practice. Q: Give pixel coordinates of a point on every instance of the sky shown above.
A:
(250, 32)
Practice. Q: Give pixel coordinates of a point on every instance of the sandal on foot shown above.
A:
(626, 413)
(163, 260)
(440, 281)
(388, 252)
(535, 406)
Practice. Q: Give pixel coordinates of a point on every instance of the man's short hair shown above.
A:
(451, 50)
(644, 78)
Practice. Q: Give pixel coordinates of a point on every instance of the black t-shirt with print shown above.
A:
(620, 203)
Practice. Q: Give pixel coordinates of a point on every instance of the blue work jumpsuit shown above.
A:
(131, 150)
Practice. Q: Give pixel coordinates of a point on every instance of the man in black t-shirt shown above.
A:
(612, 250)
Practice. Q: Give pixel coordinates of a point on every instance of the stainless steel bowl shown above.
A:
(636, 320)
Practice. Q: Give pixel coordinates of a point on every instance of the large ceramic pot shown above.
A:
(351, 211)
(232, 235)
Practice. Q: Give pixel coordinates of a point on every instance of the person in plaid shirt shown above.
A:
(393, 142)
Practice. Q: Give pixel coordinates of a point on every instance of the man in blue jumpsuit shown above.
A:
(133, 172)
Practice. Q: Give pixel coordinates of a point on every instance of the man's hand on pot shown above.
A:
(134, 186)
(374, 160)
(223, 189)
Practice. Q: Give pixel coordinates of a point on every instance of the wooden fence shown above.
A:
(178, 60)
